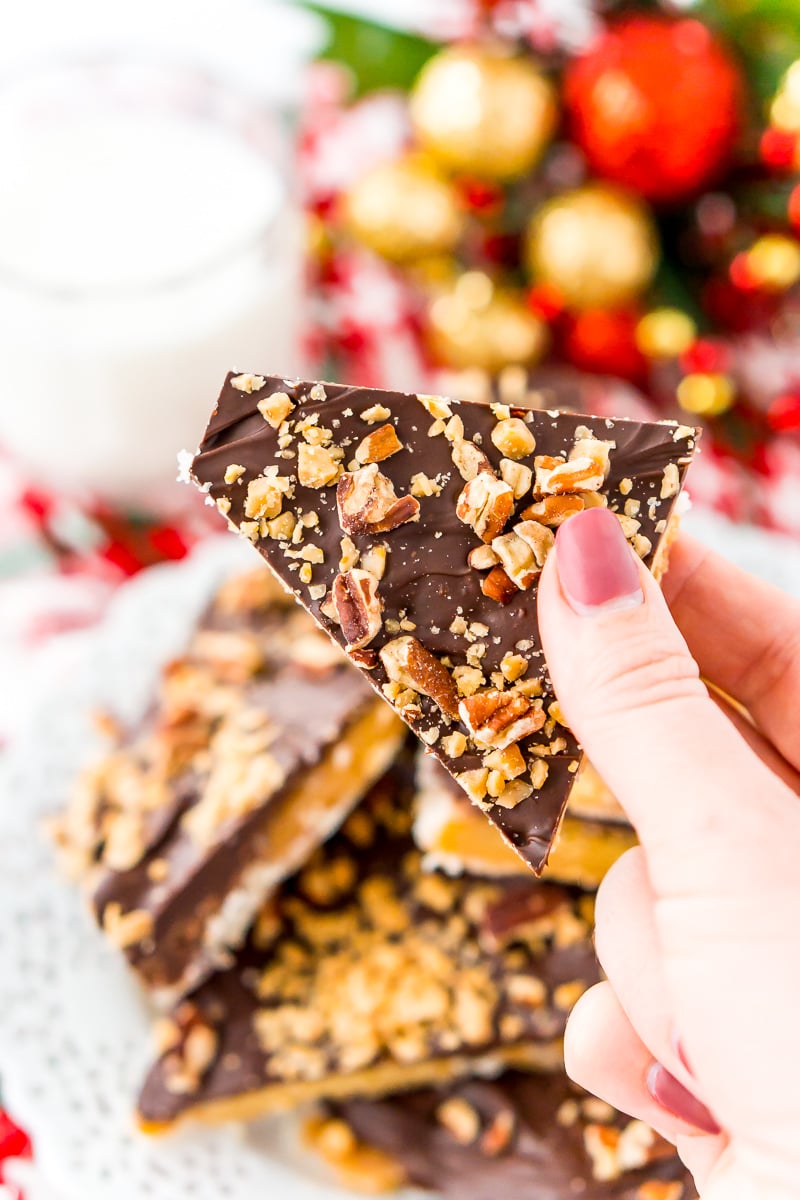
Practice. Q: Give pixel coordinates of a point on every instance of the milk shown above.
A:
(147, 245)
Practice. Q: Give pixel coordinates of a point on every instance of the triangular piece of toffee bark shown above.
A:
(367, 975)
(414, 529)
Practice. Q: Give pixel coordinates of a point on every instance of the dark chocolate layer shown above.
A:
(428, 589)
(363, 963)
(533, 1138)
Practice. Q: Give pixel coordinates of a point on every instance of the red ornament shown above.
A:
(604, 341)
(705, 357)
(778, 148)
(545, 301)
(783, 413)
(655, 105)
(14, 1143)
(794, 208)
(480, 196)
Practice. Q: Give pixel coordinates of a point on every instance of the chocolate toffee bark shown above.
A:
(455, 838)
(262, 740)
(366, 975)
(525, 1137)
(414, 529)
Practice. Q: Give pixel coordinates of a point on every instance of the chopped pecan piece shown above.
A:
(381, 443)
(469, 459)
(498, 586)
(486, 503)
(408, 662)
(482, 558)
(316, 466)
(555, 476)
(553, 510)
(518, 559)
(496, 719)
(358, 607)
(513, 438)
(460, 1119)
(367, 502)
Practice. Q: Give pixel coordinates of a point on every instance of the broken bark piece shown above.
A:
(262, 739)
(460, 560)
(367, 975)
(523, 1137)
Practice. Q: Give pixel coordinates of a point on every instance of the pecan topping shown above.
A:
(358, 607)
(367, 502)
(408, 662)
(381, 443)
(555, 476)
(460, 1119)
(498, 586)
(316, 466)
(496, 719)
(469, 459)
(482, 558)
(518, 559)
(553, 510)
(485, 503)
(513, 438)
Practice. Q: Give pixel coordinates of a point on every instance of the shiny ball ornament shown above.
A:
(655, 104)
(706, 395)
(784, 112)
(597, 246)
(403, 211)
(603, 341)
(773, 262)
(665, 333)
(474, 323)
(484, 112)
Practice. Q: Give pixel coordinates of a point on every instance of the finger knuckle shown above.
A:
(643, 671)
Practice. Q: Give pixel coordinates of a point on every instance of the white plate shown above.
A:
(74, 1028)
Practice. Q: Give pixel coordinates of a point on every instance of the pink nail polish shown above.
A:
(674, 1098)
(595, 564)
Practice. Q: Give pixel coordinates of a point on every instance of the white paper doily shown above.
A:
(74, 1038)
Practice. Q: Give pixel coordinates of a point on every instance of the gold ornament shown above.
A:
(476, 324)
(773, 262)
(596, 245)
(665, 333)
(706, 395)
(784, 113)
(403, 211)
(483, 111)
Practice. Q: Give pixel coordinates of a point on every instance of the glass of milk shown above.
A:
(148, 242)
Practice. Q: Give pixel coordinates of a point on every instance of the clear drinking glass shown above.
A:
(149, 241)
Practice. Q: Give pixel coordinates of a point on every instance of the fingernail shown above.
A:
(674, 1098)
(595, 564)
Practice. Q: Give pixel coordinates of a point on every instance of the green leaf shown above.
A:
(377, 56)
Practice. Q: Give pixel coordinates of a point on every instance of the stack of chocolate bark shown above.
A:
(319, 905)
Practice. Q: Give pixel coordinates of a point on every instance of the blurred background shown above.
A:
(596, 202)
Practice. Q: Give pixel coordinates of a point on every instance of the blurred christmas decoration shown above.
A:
(596, 246)
(654, 104)
(618, 197)
(483, 111)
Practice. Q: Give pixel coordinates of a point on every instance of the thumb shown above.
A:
(698, 797)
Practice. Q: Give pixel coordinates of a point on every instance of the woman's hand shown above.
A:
(697, 1030)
